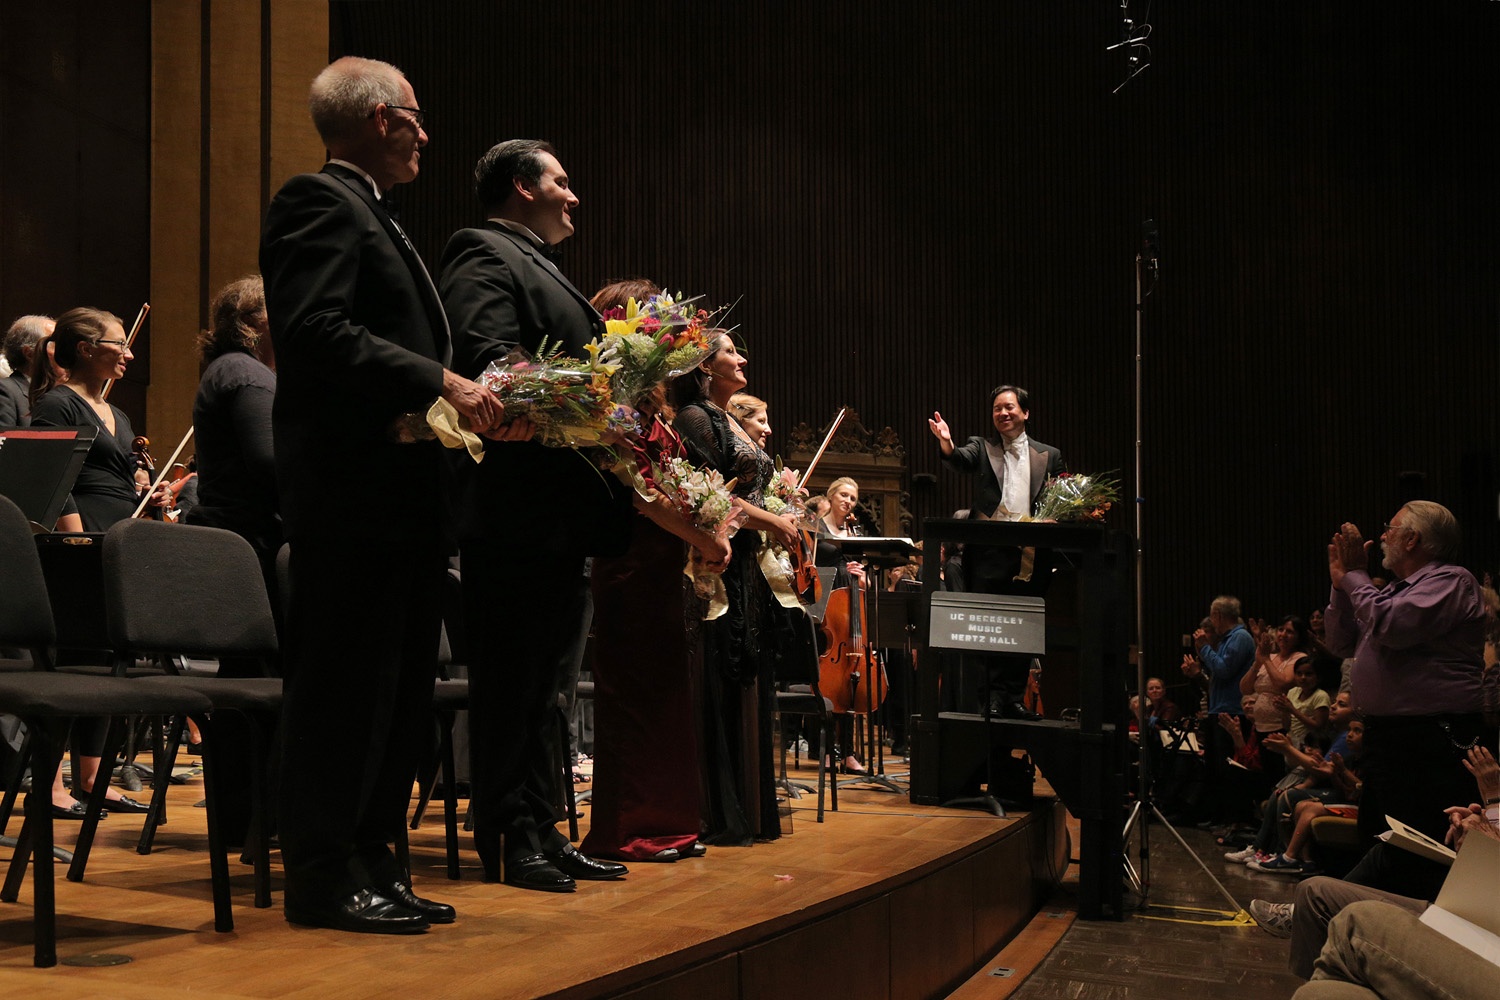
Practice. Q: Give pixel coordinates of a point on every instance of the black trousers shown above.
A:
(524, 612)
(360, 661)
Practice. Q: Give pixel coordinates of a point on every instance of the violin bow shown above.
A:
(827, 438)
(135, 328)
(165, 468)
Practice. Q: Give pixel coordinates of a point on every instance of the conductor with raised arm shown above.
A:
(1008, 471)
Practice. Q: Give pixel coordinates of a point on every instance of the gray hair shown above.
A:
(1436, 526)
(346, 92)
(26, 331)
(1226, 606)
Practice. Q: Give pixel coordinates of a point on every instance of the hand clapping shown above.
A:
(1346, 552)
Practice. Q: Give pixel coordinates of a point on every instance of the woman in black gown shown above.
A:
(739, 647)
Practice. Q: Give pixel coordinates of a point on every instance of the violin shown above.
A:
(140, 450)
(140, 509)
(806, 583)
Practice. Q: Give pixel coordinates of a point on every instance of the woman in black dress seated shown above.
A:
(738, 647)
(89, 345)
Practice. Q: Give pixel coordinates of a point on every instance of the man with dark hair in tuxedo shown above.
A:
(1009, 471)
(360, 339)
(529, 516)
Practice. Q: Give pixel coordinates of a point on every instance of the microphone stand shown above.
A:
(1147, 260)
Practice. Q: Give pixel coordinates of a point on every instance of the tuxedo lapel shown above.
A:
(442, 340)
(543, 264)
(1038, 472)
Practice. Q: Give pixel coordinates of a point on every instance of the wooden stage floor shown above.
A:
(884, 900)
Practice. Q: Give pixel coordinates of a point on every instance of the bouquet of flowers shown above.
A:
(783, 492)
(646, 343)
(568, 400)
(700, 495)
(704, 499)
(1077, 497)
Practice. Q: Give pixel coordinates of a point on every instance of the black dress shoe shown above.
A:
(365, 912)
(125, 804)
(570, 862)
(1016, 710)
(536, 871)
(74, 811)
(435, 912)
(696, 851)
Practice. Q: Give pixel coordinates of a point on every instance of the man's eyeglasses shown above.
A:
(1389, 527)
(418, 116)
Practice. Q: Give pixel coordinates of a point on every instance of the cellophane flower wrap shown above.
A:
(782, 492)
(569, 401)
(700, 495)
(1077, 497)
(703, 498)
(646, 343)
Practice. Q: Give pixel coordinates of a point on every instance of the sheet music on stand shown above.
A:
(38, 467)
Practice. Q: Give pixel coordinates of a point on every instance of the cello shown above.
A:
(844, 674)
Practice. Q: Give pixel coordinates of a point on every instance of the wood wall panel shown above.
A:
(74, 121)
(919, 201)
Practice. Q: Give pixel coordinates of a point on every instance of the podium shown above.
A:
(1084, 760)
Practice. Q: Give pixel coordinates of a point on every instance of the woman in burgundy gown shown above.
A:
(646, 791)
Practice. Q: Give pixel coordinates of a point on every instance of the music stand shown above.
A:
(38, 467)
(879, 552)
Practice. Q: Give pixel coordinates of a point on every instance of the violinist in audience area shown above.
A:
(840, 522)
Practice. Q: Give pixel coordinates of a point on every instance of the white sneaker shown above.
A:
(1241, 857)
(1274, 918)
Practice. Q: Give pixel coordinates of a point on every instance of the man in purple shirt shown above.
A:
(1417, 646)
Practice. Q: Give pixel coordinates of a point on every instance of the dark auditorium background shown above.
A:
(911, 202)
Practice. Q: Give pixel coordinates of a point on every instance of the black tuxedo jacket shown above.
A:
(360, 339)
(990, 569)
(973, 457)
(13, 404)
(501, 293)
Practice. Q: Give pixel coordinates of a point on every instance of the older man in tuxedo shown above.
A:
(360, 339)
(21, 341)
(528, 518)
